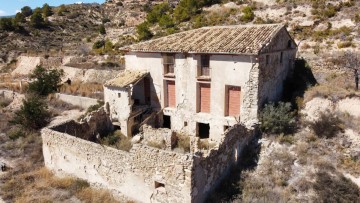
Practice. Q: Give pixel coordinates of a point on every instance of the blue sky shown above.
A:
(11, 7)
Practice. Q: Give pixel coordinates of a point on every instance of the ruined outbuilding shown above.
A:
(196, 94)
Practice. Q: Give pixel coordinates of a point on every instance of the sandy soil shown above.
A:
(314, 107)
(26, 65)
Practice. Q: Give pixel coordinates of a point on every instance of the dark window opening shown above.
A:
(167, 122)
(267, 59)
(119, 95)
(168, 61)
(205, 65)
(289, 44)
(185, 123)
(281, 57)
(136, 101)
(203, 130)
(116, 127)
(158, 184)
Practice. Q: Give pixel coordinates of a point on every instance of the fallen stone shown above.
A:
(136, 139)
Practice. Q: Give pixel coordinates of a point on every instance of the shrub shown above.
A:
(46, 81)
(26, 11)
(62, 10)
(277, 118)
(99, 44)
(46, 10)
(15, 133)
(157, 12)
(102, 30)
(6, 24)
(185, 9)
(328, 125)
(37, 20)
(166, 21)
(32, 114)
(248, 14)
(143, 31)
(117, 140)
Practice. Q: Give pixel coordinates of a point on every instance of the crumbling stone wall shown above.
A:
(51, 62)
(130, 173)
(211, 168)
(96, 122)
(158, 175)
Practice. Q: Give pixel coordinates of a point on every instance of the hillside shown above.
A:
(317, 160)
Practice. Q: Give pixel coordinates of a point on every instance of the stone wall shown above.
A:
(158, 175)
(51, 62)
(210, 169)
(83, 102)
(96, 122)
(135, 173)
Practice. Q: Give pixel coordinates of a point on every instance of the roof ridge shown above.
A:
(244, 39)
(241, 25)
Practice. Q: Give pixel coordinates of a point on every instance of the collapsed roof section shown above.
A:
(126, 78)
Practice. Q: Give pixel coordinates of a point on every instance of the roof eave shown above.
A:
(194, 52)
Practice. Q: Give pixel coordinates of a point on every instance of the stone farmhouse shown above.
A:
(196, 94)
(204, 80)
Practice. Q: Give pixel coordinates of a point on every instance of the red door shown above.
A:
(205, 98)
(233, 105)
(171, 94)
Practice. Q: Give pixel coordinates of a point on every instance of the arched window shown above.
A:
(289, 44)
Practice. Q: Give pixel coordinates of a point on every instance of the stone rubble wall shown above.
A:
(160, 135)
(131, 173)
(51, 62)
(210, 169)
(158, 175)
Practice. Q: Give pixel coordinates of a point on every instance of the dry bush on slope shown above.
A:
(41, 185)
(28, 181)
(334, 187)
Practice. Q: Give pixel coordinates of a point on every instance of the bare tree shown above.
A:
(352, 62)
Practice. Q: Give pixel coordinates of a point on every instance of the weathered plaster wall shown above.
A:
(131, 173)
(225, 70)
(211, 168)
(273, 74)
(83, 102)
(118, 102)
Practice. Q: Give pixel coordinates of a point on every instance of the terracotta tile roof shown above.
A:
(125, 78)
(238, 39)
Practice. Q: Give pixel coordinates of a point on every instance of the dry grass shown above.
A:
(4, 102)
(182, 143)
(117, 140)
(27, 180)
(336, 87)
(41, 185)
(93, 90)
(13, 86)
(205, 144)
